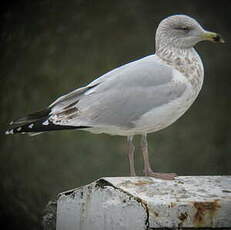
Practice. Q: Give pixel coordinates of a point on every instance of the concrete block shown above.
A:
(147, 203)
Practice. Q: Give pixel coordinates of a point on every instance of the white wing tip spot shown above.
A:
(10, 131)
(46, 122)
(31, 126)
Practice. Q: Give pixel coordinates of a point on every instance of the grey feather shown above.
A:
(69, 99)
(120, 107)
(124, 94)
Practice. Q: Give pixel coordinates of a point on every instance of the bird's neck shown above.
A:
(186, 60)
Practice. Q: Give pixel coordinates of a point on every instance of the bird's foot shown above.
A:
(163, 176)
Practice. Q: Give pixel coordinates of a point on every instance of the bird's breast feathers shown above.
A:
(162, 116)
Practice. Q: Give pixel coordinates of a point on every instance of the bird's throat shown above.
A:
(187, 61)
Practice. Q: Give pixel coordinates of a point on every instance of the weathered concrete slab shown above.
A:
(143, 202)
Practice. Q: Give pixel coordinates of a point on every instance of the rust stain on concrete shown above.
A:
(205, 212)
(140, 183)
(183, 216)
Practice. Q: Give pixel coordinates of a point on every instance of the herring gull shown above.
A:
(138, 98)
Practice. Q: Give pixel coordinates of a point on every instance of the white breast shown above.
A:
(163, 116)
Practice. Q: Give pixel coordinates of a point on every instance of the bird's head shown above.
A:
(181, 31)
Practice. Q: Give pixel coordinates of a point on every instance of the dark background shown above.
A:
(49, 47)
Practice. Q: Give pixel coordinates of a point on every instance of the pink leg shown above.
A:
(131, 149)
(147, 167)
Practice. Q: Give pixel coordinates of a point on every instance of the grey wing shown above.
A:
(121, 107)
(69, 100)
(121, 75)
(121, 97)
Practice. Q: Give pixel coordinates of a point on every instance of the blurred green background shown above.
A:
(50, 47)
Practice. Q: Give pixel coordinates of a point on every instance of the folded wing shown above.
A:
(121, 96)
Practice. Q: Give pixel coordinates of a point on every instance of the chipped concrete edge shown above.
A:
(103, 183)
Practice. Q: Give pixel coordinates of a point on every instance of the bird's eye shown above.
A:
(184, 28)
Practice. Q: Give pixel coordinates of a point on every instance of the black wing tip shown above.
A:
(43, 125)
(14, 130)
(33, 117)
